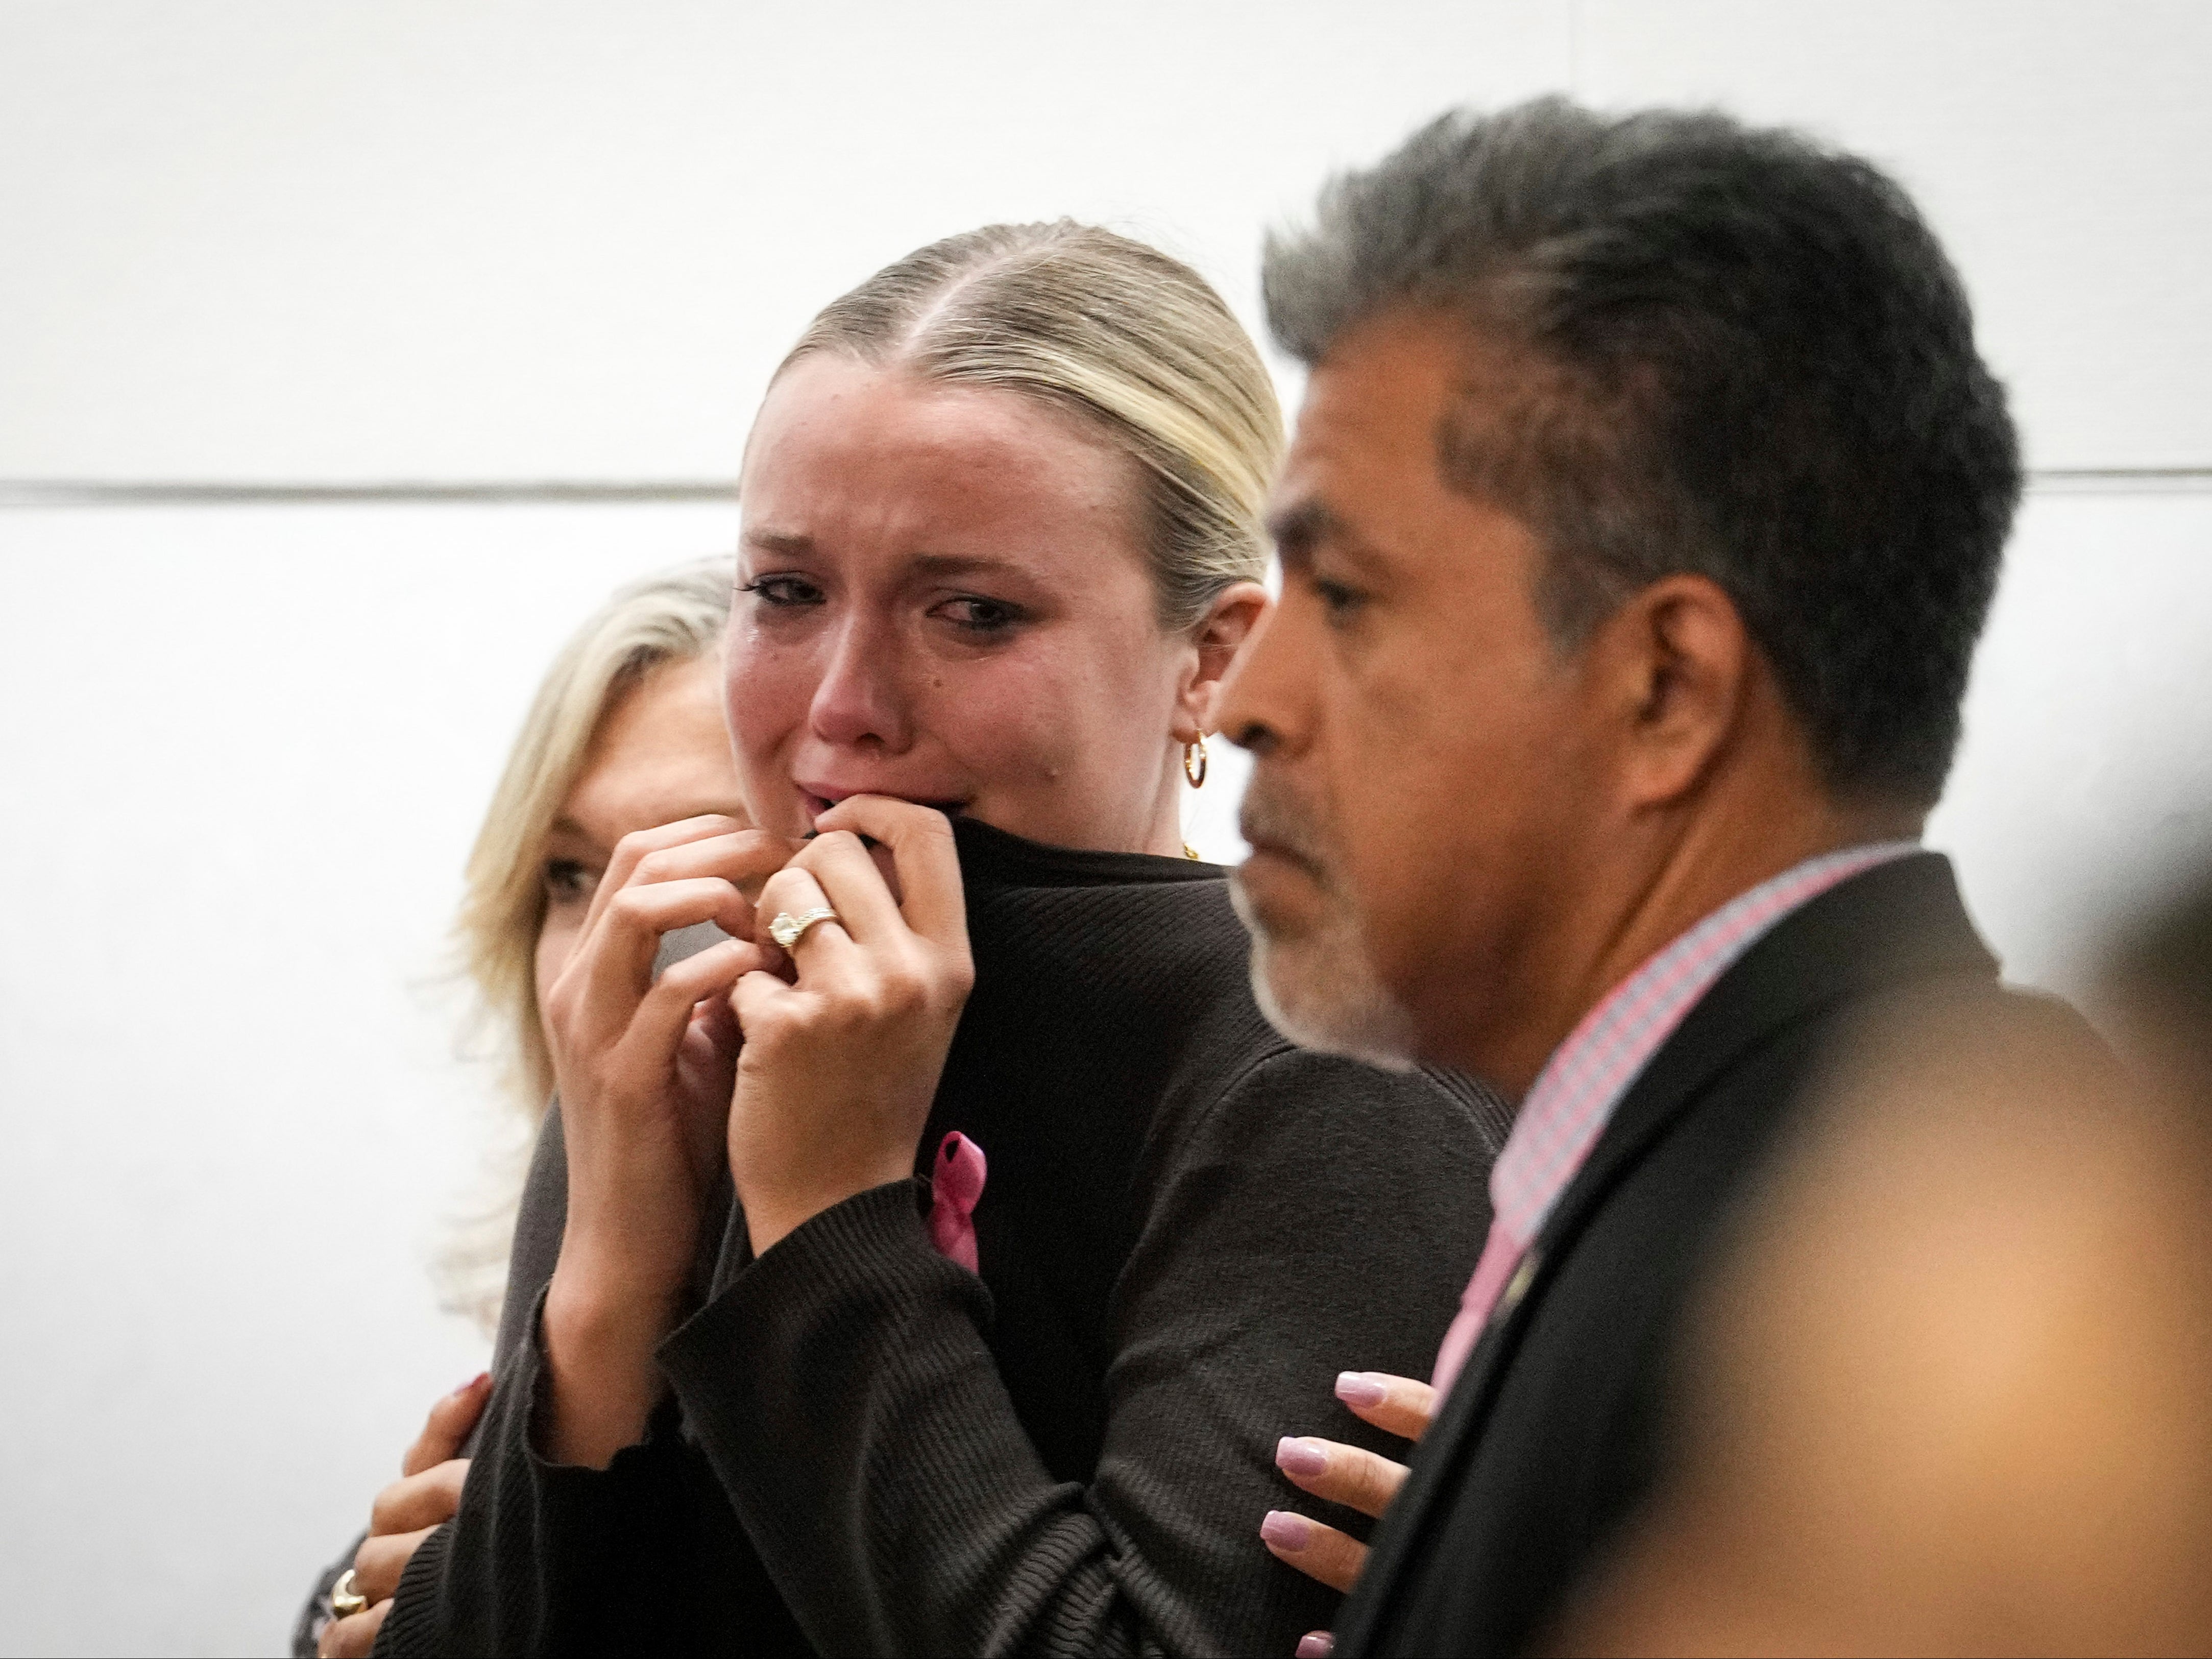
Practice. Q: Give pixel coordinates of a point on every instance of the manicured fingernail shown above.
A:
(1316, 1644)
(1300, 1457)
(475, 1381)
(1359, 1389)
(1286, 1531)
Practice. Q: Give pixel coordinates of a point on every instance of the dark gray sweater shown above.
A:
(1190, 1227)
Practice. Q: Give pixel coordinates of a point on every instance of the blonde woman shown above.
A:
(1000, 543)
(625, 732)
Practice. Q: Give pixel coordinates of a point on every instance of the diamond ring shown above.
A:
(787, 929)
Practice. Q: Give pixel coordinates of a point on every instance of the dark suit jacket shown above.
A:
(1551, 1437)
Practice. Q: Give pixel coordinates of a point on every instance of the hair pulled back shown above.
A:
(1125, 337)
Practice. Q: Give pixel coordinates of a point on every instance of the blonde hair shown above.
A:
(674, 617)
(1127, 339)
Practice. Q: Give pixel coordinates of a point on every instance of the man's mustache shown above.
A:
(1272, 818)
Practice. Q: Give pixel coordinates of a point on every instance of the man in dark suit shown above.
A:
(1646, 502)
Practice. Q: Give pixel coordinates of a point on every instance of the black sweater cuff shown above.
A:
(869, 1258)
(554, 1527)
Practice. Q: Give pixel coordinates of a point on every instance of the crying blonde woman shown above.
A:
(784, 1371)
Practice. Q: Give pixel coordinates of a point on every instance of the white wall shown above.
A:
(2084, 787)
(242, 747)
(244, 751)
(422, 239)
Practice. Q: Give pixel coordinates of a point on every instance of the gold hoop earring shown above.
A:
(1196, 773)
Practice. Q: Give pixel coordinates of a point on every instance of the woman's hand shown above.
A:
(406, 1512)
(645, 1068)
(1345, 1474)
(841, 1060)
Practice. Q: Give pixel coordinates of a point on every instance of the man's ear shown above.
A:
(1678, 659)
(1220, 634)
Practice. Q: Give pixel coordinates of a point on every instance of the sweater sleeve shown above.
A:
(539, 1216)
(543, 1558)
(1320, 1216)
(527, 1563)
(547, 1558)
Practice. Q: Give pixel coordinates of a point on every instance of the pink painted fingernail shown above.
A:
(1286, 1531)
(1300, 1457)
(1360, 1388)
(1316, 1644)
(477, 1381)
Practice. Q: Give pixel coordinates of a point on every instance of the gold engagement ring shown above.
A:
(345, 1600)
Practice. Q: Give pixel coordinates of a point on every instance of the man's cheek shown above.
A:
(1384, 890)
(1409, 895)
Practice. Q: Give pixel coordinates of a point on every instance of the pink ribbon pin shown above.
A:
(957, 1186)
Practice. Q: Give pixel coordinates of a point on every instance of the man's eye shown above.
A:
(567, 882)
(783, 593)
(980, 615)
(1337, 600)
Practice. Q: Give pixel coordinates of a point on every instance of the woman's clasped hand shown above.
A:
(841, 1056)
(426, 1495)
(808, 1073)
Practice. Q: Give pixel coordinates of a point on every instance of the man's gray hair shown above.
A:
(1711, 349)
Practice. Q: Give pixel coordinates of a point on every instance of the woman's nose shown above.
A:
(859, 702)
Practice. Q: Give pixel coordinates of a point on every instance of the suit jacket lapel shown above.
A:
(1894, 923)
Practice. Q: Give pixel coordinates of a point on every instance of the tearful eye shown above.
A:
(783, 593)
(974, 614)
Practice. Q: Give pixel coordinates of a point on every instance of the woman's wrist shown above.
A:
(774, 1212)
(587, 1311)
(599, 1332)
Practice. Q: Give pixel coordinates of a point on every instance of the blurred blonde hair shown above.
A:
(1127, 339)
(673, 617)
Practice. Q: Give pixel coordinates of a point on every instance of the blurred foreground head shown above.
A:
(1643, 512)
(1952, 1397)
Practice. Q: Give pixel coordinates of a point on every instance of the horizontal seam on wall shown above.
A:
(45, 492)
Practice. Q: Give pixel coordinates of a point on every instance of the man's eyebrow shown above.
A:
(1296, 529)
(1301, 529)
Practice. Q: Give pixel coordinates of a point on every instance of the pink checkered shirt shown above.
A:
(1573, 1097)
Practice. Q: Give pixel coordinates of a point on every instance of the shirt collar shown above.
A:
(1574, 1095)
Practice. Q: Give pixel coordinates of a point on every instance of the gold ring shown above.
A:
(788, 930)
(345, 1600)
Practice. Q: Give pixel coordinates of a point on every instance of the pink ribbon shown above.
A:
(957, 1186)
